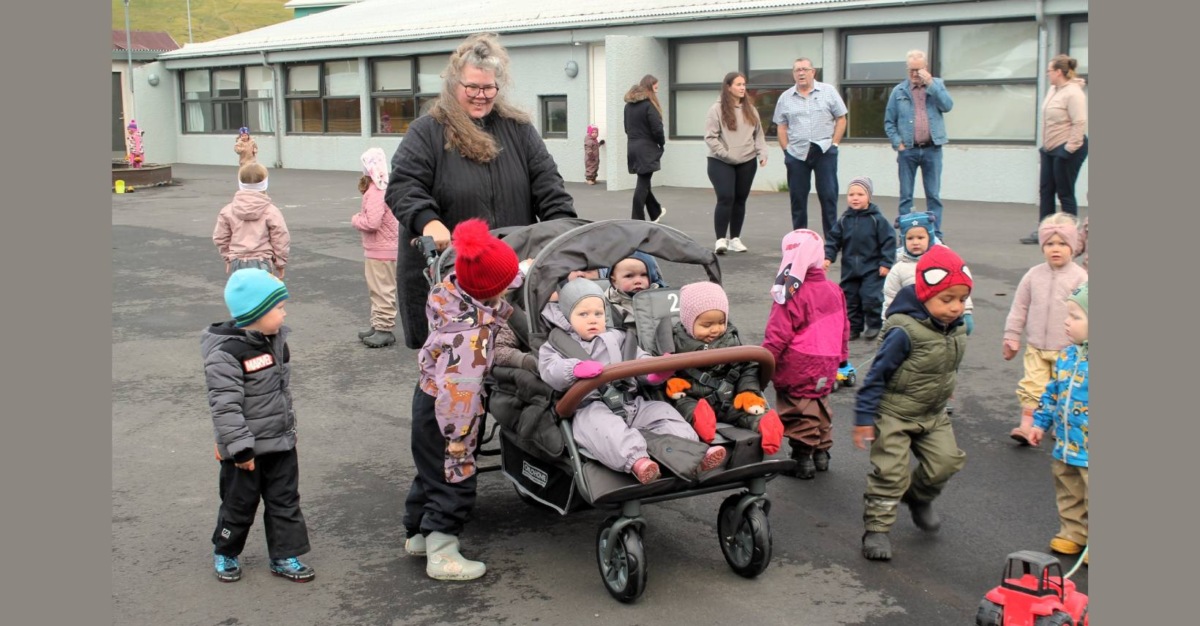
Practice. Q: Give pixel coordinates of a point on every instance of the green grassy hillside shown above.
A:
(211, 19)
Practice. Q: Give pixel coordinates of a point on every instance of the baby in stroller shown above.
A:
(728, 392)
(616, 426)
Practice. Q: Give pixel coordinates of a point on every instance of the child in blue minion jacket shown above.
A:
(1064, 405)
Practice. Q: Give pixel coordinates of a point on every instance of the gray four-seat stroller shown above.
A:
(537, 451)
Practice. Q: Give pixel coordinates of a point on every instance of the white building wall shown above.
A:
(157, 113)
(991, 172)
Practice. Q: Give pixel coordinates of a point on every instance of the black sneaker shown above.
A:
(292, 569)
(871, 333)
(854, 335)
(821, 460)
(1031, 239)
(227, 568)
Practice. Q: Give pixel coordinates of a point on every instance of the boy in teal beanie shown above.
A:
(247, 369)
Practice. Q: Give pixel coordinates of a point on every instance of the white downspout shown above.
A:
(1043, 61)
(275, 108)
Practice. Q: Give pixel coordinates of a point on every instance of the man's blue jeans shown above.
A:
(799, 177)
(929, 159)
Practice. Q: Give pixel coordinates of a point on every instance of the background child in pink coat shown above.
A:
(1039, 312)
(591, 154)
(808, 333)
(380, 240)
(250, 230)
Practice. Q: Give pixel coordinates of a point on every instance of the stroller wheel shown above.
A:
(624, 571)
(851, 380)
(746, 540)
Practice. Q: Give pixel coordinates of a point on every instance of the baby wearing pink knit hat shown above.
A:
(728, 392)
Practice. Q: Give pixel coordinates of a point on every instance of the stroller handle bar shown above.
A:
(567, 405)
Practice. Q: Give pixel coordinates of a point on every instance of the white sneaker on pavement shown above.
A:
(662, 212)
(736, 245)
(721, 246)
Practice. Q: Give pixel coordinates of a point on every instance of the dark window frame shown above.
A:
(212, 101)
(321, 96)
(1064, 34)
(743, 67)
(544, 111)
(932, 55)
(391, 94)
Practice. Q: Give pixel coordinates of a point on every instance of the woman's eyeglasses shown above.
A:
(474, 91)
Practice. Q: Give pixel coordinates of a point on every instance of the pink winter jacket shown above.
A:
(380, 230)
(1039, 309)
(251, 227)
(809, 337)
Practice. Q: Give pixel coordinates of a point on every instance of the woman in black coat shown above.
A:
(473, 155)
(644, 127)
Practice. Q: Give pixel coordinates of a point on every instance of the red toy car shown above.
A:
(1036, 595)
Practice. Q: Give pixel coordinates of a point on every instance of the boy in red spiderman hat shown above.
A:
(901, 407)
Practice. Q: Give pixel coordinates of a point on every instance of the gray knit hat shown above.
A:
(575, 291)
(865, 183)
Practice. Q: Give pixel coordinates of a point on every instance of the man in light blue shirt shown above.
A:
(812, 119)
(913, 121)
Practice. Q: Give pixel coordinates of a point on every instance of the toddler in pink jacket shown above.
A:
(1039, 312)
(808, 333)
(380, 240)
(250, 230)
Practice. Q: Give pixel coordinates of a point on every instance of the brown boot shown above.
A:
(1021, 433)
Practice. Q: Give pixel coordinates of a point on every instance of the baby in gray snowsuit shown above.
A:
(619, 442)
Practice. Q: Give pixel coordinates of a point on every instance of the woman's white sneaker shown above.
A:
(736, 245)
(721, 246)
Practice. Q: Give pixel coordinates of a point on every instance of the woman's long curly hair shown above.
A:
(728, 104)
(463, 134)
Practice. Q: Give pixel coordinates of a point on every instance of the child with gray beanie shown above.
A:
(615, 425)
(868, 246)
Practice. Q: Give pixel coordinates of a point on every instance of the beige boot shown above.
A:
(443, 562)
(1021, 433)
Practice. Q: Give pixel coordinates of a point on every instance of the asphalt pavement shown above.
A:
(353, 419)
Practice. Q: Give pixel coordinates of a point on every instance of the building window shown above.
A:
(554, 116)
(698, 68)
(875, 62)
(990, 70)
(1075, 35)
(429, 79)
(224, 100)
(393, 98)
(324, 98)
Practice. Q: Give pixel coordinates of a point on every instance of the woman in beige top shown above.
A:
(735, 141)
(1064, 139)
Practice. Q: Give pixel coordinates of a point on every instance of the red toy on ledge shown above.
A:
(1030, 595)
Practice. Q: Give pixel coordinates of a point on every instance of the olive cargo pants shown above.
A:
(938, 458)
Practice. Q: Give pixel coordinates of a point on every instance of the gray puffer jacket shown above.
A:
(248, 376)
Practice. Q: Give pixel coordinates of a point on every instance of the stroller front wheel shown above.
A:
(745, 540)
(624, 571)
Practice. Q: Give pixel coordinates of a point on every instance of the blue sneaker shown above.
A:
(227, 568)
(293, 569)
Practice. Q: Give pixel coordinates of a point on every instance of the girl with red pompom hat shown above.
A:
(464, 311)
